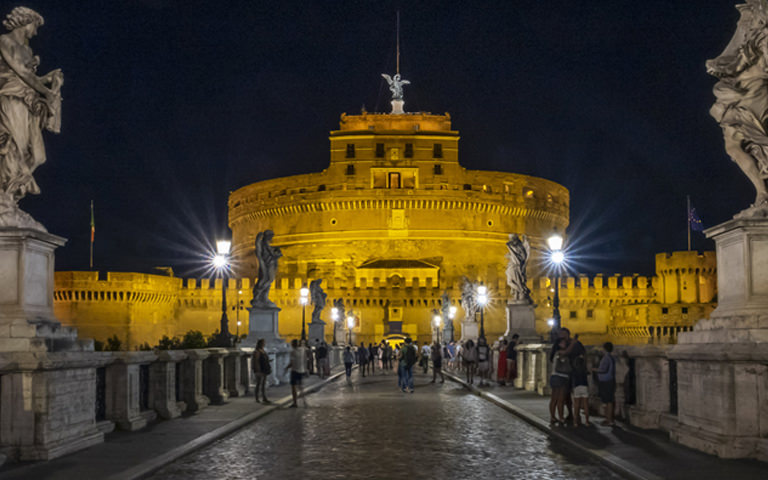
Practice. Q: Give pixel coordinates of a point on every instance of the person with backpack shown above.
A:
(606, 383)
(362, 358)
(261, 368)
(580, 389)
(406, 361)
(484, 361)
(469, 360)
(349, 359)
(437, 363)
(558, 382)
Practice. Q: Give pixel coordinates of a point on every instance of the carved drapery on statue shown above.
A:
(741, 107)
(519, 249)
(28, 104)
(318, 297)
(468, 301)
(267, 255)
(445, 306)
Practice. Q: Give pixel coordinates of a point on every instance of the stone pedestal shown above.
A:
(520, 320)
(124, 389)
(470, 330)
(397, 107)
(263, 323)
(341, 333)
(233, 373)
(316, 332)
(27, 322)
(722, 365)
(448, 332)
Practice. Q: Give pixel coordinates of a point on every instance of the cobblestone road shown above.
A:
(371, 430)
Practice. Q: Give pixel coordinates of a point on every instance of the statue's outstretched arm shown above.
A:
(28, 76)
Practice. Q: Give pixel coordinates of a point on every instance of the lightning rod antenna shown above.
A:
(398, 41)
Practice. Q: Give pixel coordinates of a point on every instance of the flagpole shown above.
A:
(92, 231)
(688, 220)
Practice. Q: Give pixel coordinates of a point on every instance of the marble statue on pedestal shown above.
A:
(741, 107)
(468, 301)
(517, 260)
(319, 298)
(28, 104)
(267, 256)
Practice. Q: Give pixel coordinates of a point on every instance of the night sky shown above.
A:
(169, 105)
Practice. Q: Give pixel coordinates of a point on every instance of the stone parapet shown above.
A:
(128, 390)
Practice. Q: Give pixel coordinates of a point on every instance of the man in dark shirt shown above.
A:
(512, 359)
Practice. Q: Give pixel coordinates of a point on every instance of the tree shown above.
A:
(193, 339)
(113, 344)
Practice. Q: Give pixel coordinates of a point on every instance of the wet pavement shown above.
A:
(372, 430)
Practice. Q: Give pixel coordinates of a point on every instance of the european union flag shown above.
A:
(694, 221)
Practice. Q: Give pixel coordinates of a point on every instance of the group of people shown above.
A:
(569, 381)
(304, 361)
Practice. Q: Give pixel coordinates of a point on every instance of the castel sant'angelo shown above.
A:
(390, 226)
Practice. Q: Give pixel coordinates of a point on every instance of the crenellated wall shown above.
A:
(142, 308)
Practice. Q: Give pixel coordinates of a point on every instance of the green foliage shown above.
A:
(193, 339)
(212, 338)
(166, 343)
(98, 346)
(113, 344)
(145, 347)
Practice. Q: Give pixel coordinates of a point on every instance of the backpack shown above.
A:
(410, 356)
(482, 353)
(563, 364)
(264, 364)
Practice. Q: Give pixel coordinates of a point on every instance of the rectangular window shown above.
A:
(664, 310)
(685, 310)
(438, 169)
(572, 314)
(408, 150)
(350, 169)
(437, 150)
(350, 150)
(590, 313)
(379, 150)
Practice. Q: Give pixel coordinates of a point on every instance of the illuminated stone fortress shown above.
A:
(393, 222)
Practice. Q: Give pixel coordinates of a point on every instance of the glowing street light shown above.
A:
(482, 299)
(304, 300)
(350, 325)
(335, 318)
(437, 320)
(221, 263)
(557, 257)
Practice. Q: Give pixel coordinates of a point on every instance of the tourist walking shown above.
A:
(298, 367)
(580, 389)
(484, 361)
(406, 361)
(309, 356)
(373, 356)
(558, 382)
(323, 364)
(511, 356)
(348, 358)
(469, 360)
(501, 367)
(362, 358)
(424, 358)
(606, 382)
(437, 363)
(260, 367)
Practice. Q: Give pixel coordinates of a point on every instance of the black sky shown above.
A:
(169, 105)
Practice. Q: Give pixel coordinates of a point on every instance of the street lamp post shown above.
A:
(436, 318)
(451, 316)
(556, 255)
(304, 299)
(482, 299)
(237, 308)
(350, 324)
(221, 262)
(335, 318)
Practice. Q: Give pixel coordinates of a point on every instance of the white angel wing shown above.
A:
(387, 78)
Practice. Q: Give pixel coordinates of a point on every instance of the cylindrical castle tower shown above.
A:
(392, 223)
